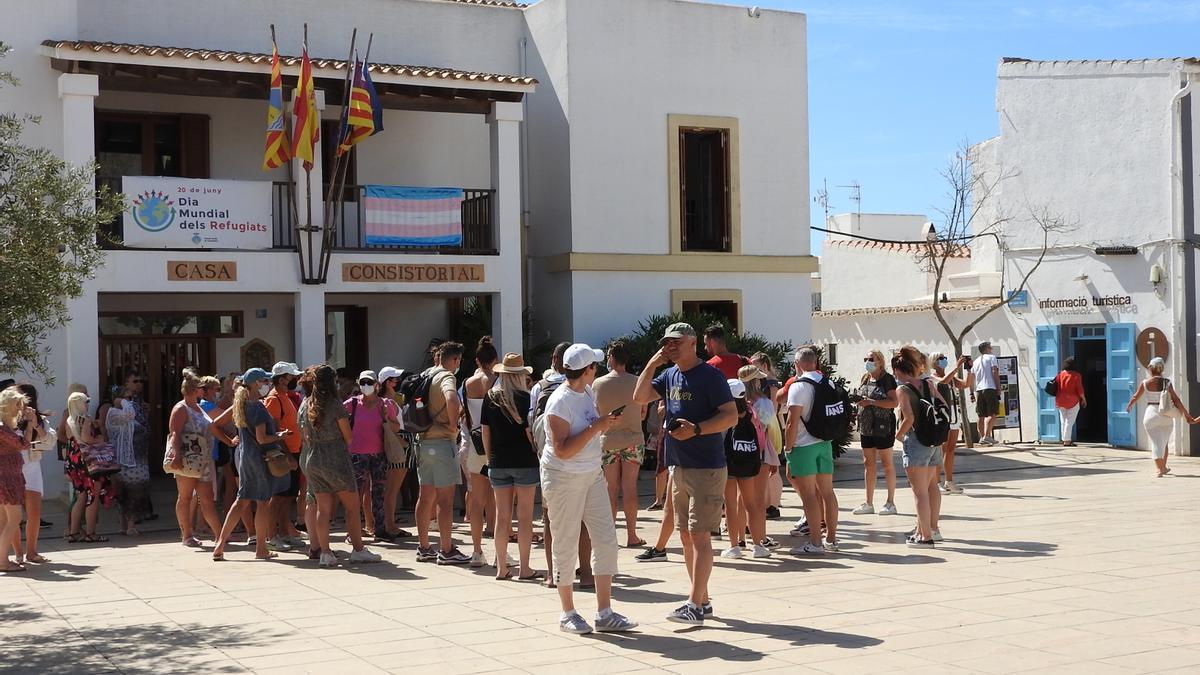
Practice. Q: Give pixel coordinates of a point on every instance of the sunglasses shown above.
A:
(366, 382)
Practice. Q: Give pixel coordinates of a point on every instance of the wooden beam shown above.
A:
(183, 88)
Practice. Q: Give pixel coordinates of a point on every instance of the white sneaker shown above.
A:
(800, 523)
(889, 509)
(477, 559)
(808, 548)
(329, 560)
(864, 509)
(760, 551)
(831, 546)
(937, 536)
(365, 556)
(952, 488)
(987, 440)
(734, 552)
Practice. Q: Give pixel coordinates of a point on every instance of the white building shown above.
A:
(1111, 146)
(615, 160)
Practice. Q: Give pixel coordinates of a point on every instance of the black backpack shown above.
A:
(415, 389)
(932, 423)
(829, 418)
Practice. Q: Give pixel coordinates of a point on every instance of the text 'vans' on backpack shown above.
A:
(415, 389)
(931, 417)
(829, 418)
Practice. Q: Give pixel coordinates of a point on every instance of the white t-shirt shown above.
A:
(983, 372)
(578, 409)
(801, 394)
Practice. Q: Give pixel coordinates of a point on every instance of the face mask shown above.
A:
(942, 363)
(264, 389)
(367, 389)
(292, 384)
(870, 366)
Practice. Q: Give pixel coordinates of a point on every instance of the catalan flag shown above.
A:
(359, 117)
(308, 120)
(278, 149)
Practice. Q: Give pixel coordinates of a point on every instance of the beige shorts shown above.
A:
(698, 495)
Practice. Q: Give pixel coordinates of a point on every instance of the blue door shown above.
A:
(1047, 369)
(1122, 377)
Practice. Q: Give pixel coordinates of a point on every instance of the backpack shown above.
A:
(932, 423)
(1051, 387)
(538, 428)
(415, 388)
(748, 435)
(829, 418)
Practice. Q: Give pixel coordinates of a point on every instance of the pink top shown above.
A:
(367, 425)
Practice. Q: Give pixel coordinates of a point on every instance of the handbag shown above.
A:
(394, 447)
(194, 448)
(100, 460)
(475, 433)
(279, 463)
(1166, 403)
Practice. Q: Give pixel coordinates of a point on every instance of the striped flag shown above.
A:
(358, 118)
(278, 148)
(308, 120)
(413, 216)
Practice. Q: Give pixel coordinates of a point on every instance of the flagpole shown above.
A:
(308, 228)
(291, 173)
(340, 175)
(339, 167)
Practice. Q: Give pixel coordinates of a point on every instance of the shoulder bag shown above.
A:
(195, 450)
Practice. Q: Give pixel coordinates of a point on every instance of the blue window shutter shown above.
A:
(1047, 369)
(1122, 379)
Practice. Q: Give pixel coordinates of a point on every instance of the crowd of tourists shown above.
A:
(279, 459)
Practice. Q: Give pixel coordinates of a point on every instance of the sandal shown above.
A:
(13, 567)
(93, 538)
(636, 544)
(37, 558)
(73, 537)
(536, 576)
(218, 557)
(268, 556)
(504, 577)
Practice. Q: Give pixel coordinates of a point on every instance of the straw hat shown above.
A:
(513, 363)
(750, 372)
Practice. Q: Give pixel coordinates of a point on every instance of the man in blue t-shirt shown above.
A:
(699, 410)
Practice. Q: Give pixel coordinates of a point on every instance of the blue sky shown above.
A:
(894, 87)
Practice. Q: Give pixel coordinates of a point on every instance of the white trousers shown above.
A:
(572, 499)
(1066, 422)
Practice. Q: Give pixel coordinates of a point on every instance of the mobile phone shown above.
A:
(675, 424)
(617, 412)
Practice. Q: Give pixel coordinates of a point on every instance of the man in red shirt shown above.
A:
(722, 359)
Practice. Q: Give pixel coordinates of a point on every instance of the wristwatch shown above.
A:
(698, 432)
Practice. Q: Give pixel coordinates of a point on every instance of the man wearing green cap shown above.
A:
(699, 410)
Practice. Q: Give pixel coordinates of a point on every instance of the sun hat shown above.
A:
(513, 363)
(678, 330)
(284, 368)
(737, 388)
(579, 356)
(254, 375)
(751, 372)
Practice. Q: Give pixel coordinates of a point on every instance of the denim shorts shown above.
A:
(522, 477)
(918, 455)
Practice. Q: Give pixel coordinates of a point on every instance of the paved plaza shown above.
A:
(1055, 560)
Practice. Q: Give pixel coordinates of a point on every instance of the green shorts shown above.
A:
(810, 460)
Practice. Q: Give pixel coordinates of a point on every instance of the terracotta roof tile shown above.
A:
(957, 305)
(492, 3)
(911, 249)
(84, 47)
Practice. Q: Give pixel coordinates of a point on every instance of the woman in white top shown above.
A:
(575, 492)
(1162, 407)
(43, 437)
(481, 503)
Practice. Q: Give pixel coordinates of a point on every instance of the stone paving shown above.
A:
(1055, 560)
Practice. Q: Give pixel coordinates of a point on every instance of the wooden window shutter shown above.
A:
(682, 224)
(194, 144)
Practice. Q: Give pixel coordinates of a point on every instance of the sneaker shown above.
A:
(733, 552)
(991, 440)
(808, 548)
(953, 488)
(761, 551)
(942, 488)
(453, 557)
(687, 614)
(831, 546)
(772, 512)
(707, 609)
(295, 542)
(889, 509)
(364, 556)
(614, 623)
(655, 507)
(328, 560)
(801, 524)
(864, 509)
(937, 536)
(769, 543)
(920, 543)
(384, 535)
(278, 544)
(426, 554)
(477, 559)
(574, 624)
(252, 540)
(652, 554)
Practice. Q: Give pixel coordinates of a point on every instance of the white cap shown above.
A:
(737, 388)
(284, 368)
(388, 372)
(580, 356)
(367, 375)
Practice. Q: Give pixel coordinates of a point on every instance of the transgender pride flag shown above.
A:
(413, 216)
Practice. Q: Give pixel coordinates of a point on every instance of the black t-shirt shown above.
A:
(877, 421)
(511, 448)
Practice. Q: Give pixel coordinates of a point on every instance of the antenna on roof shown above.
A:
(822, 199)
(855, 196)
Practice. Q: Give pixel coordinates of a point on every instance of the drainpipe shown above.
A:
(527, 268)
(1183, 317)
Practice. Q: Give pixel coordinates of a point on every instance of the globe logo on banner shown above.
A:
(153, 211)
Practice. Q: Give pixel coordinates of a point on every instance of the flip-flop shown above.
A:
(504, 577)
(37, 558)
(94, 538)
(536, 576)
(269, 556)
(13, 568)
(638, 544)
(218, 557)
(73, 537)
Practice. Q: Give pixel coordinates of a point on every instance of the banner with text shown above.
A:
(165, 212)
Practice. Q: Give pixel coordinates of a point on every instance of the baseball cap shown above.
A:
(387, 373)
(367, 375)
(579, 356)
(984, 345)
(737, 388)
(678, 330)
(254, 375)
(284, 368)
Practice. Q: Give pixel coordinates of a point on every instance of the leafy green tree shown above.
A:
(50, 219)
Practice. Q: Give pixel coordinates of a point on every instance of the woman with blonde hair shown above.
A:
(90, 493)
(189, 457)
(1162, 407)
(771, 387)
(877, 401)
(13, 441)
(758, 399)
(512, 461)
(256, 435)
(43, 437)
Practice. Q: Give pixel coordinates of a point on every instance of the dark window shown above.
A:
(831, 353)
(204, 324)
(137, 144)
(329, 144)
(721, 309)
(704, 190)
